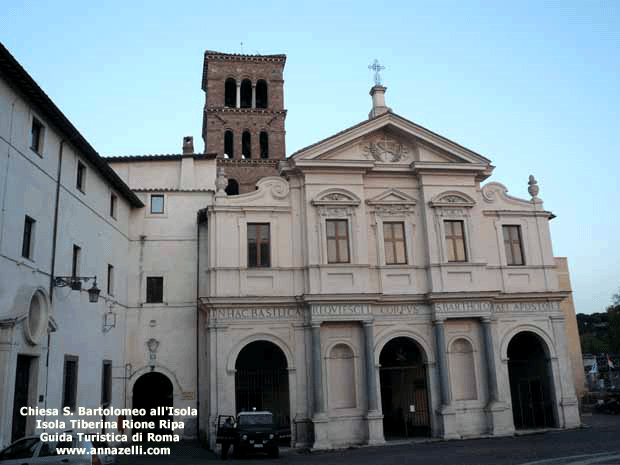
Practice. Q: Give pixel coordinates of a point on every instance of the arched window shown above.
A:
(261, 94)
(463, 370)
(264, 144)
(233, 187)
(246, 93)
(246, 145)
(342, 377)
(229, 150)
(230, 93)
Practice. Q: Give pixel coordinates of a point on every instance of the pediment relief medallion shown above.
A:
(387, 149)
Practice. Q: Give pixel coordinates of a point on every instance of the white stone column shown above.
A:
(238, 105)
(373, 416)
(253, 95)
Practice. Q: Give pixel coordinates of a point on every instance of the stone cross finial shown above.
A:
(377, 68)
(533, 187)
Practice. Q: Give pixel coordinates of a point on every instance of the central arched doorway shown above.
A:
(404, 393)
(529, 372)
(153, 390)
(261, 382)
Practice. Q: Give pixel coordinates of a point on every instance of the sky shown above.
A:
(532, 85)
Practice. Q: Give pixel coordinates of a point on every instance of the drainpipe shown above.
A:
(55, 230)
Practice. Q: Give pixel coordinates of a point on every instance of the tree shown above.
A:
(613, 318)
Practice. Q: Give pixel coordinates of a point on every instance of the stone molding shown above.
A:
(367, 311)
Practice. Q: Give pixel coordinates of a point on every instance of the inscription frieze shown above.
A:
(463, 307)
(340, 309)
(490, 307)
(523, 307)
(257, 313)
(400, 309)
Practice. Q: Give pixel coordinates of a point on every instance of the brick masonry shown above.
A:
(218, 119)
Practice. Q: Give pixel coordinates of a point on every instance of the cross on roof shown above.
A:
(377, 68)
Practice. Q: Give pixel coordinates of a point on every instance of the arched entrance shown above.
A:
(261, 382)
(153, 390)
(404, 393)
(529, 372)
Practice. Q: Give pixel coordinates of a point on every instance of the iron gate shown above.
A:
(404, 400)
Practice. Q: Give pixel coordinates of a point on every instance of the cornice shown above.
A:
(246, 162)
(265, 111)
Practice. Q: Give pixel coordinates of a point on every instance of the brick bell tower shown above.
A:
(244, 116)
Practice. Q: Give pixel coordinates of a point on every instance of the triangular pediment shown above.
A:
(392, 197)
(388, 140)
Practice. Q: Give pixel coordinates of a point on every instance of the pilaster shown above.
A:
(499, 416)
(446, 412)
(373, 416)
(319, 419)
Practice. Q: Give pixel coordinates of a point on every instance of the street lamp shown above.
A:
(75, 282)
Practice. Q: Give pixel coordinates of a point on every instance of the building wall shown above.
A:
(572, 331)
(71, 325)
(165, 245)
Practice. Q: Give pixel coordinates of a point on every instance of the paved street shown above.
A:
(598, 444)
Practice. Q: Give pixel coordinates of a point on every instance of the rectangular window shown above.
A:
(36, 136)
(157, 203)
(455, 241)
(337, 241)
(75, 264)
(110, 280)
(154, 289)
(113, 200)
(394, 243)
(259, 247)
(513, 245)
(70, 377)
(28, 238)
(80, 178)
(106, 383)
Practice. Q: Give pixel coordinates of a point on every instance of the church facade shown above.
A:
(372, 286)
(377, 289)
